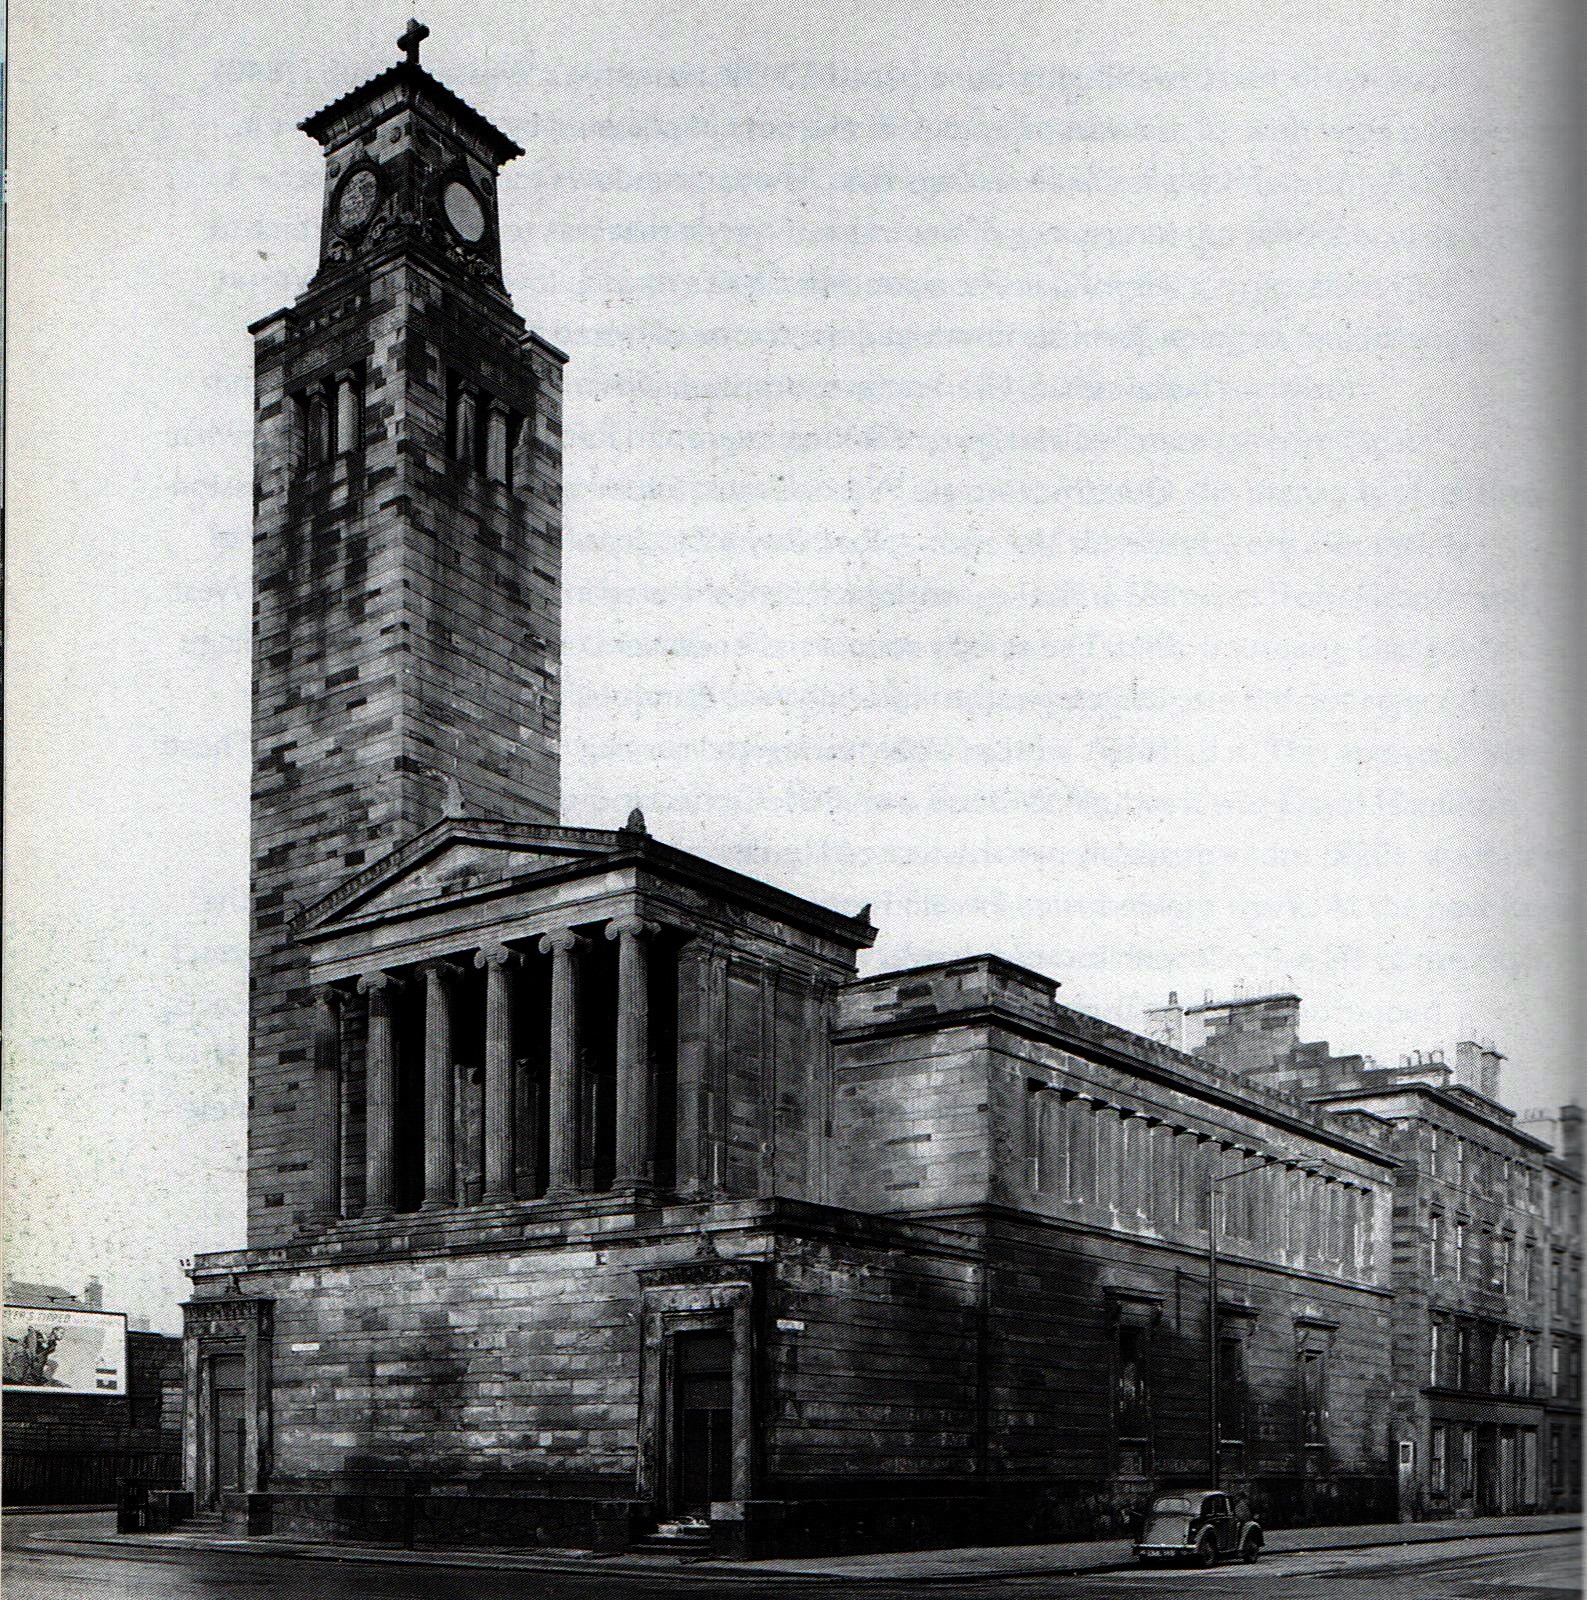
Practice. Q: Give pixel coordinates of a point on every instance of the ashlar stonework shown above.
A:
(591, 1190)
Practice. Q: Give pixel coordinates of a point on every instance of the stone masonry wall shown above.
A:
(406, 629)
(519, 1368)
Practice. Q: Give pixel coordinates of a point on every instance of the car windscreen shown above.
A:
(1172, 1505)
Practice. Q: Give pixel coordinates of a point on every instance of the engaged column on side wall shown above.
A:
(702, 1037)
(327, 1201)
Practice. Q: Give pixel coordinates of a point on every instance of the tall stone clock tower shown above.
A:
(407, 554)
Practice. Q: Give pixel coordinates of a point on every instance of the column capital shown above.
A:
(380, 983)
(443, 970)
(564, 940)
(630, 927)
(328, 996)
(496, 955)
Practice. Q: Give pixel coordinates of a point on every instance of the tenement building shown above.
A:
(1486, 1258)
(1563, 1381)
(591, 1189)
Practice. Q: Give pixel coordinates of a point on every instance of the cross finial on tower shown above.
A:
(411, 38)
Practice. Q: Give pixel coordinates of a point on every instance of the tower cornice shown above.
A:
(408, 85)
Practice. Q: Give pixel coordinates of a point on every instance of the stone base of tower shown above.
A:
(574, 1373)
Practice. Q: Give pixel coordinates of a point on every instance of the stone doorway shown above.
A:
(700, 1435)
(226, 1444)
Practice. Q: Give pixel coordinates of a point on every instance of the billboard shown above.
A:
(56, 1350)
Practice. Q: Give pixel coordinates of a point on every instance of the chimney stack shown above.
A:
(1477, 1067)
(1570, 1135)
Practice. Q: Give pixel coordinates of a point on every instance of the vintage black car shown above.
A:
(1196, 1525)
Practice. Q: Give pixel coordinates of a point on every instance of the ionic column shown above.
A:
(380, 1097)
(439, 1163)
(564, 1117)
(633, 1051)
(326, 1204)
(498, 962)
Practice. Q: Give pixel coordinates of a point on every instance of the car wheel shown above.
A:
(1206, 1551)
(1252, 1547)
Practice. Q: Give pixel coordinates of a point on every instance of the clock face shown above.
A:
(463, 211)
(356, 203)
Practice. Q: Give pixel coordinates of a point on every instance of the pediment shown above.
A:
(459, 860)
(462, 868)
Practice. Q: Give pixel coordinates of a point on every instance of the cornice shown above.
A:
(991, 1014)
(601, 850)
(412, 81)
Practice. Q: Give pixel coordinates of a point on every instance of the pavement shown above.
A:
(958, 1565)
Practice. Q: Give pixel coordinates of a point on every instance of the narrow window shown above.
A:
(1435, 1353)
(1232, 1390)
(1438, 1460)
(299, 417)
(1133, 1395)
(1435, 1241)
(319, 408)
(1313, 1374)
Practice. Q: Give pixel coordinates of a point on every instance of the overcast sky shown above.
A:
(1091, 480)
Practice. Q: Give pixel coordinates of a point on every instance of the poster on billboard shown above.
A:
(55, 1350)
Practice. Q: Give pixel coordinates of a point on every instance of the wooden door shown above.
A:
(701, 1465)
(228, 1427)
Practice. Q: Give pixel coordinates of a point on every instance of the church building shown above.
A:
(591, 1190)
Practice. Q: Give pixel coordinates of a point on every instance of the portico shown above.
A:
(505, 1013)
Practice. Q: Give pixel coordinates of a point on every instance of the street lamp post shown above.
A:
(1212, 1304)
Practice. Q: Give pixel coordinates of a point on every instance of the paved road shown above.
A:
(1528, 1567)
